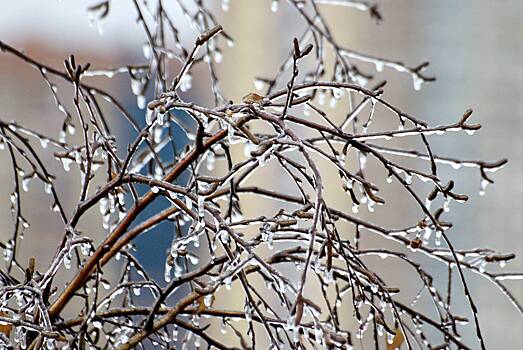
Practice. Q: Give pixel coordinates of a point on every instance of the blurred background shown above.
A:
(474, 47)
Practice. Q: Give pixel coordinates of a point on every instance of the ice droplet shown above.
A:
(66, 162)
(25, 183)
(44, 142)
(67, 261)
(207, 300)
(437, 239)
(483, 186)
(408, 178)
(167, 273)
(417, 82)
(141, 101)
(146, 49)
(274, 5)
(259, 84)
(456, 165)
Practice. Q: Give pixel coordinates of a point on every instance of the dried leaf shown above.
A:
(252, 98)
(201, 305)
(416, 243)
(5, 327)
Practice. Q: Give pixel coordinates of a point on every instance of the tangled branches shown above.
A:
(297, 264)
